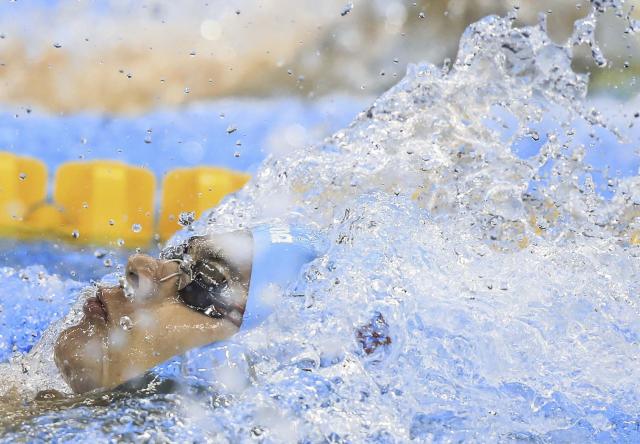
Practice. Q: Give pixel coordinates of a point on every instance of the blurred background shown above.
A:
(126, 56)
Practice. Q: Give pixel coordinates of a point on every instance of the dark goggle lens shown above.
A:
(196, 296)
(204, 292)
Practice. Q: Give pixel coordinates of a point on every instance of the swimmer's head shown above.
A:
(193, 295)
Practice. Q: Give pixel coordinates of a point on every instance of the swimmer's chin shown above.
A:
(79, 354)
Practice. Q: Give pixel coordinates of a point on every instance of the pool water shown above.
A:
(479, 281)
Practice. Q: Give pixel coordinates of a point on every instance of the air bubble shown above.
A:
(136, 228)
(126, 323)
(347, 9)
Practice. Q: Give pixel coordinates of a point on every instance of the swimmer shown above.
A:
(197, 293)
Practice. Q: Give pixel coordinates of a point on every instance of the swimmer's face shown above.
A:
(126, 331)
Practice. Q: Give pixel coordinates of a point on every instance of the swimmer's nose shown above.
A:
(141, 272)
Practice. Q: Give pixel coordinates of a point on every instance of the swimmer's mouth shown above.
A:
(94, 307)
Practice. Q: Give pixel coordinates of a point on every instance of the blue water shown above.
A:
(199, 134)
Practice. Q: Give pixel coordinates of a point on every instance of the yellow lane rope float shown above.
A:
(111, 203)
(23, 184)
(104, 202)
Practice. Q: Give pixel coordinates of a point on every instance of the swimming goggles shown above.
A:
(209, 272)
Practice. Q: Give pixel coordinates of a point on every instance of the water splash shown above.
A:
(30, 321)
(477, 285)
(508, 283)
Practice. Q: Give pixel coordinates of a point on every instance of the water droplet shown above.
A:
(22, 176)
(347, 9)
(421, 15)
(231, 129)
(187, 90)
(378, 286)
(57, 45)
(192, 53)
(236, 154)
(136, 228)
(107, 263)
(99, 254)
(186, 218)
(75, 234)
(112, 222)
(120, 242)
(126, 323)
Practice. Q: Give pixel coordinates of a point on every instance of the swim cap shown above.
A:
(279, 254)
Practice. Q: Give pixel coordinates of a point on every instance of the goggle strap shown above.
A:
(170, 276)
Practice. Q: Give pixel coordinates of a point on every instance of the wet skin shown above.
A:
(126, 331)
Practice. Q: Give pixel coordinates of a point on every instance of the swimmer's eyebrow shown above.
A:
(212, 251)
